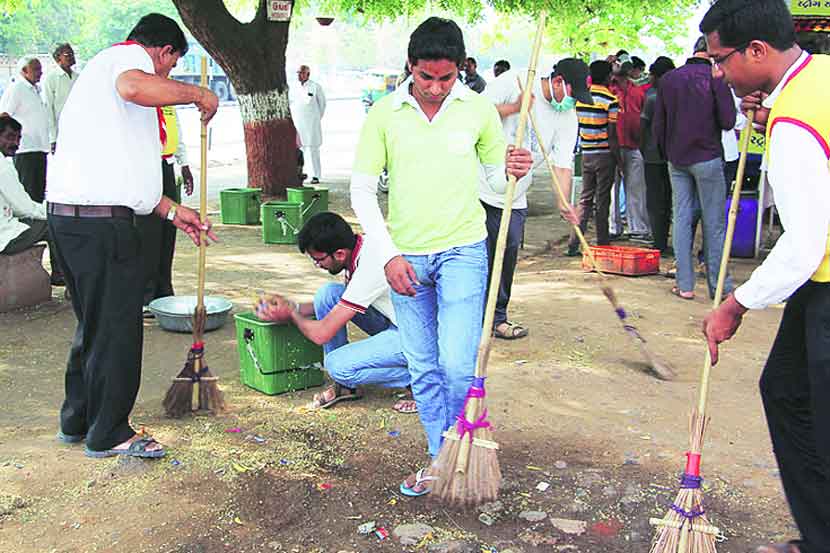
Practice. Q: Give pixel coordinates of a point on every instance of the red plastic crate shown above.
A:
(623, 260)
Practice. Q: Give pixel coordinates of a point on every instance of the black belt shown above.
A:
(96, 211)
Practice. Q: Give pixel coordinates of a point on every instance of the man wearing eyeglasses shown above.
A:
(364, 299)
(753, 44)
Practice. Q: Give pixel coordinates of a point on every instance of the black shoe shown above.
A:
(146, 313)
(572, 252)
(615, 237)
(56, 279)
(315, 180)
(642, 238)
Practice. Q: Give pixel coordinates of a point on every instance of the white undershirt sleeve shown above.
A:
(364, 194)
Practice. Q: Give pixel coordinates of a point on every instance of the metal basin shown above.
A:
(175, 313)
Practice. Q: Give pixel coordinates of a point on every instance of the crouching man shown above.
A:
(364, 299)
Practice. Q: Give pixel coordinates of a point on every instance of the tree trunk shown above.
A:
(253, 56)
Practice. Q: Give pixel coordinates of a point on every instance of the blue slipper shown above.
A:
(137, 449)
(419, 480)
(70, 438)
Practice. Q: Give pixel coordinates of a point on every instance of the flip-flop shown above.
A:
(400, 406)
(677, 292)
(514, 332)
(137, 449)
(319, 403)
(419, 479)
(70, 438)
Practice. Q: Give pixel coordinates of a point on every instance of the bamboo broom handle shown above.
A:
(501, 242)
(724, 260)
(558, 189)
(200, 298)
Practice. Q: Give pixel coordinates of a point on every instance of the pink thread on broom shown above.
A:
(692, 464)
(465, 426)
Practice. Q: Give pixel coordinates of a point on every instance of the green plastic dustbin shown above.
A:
(281, 222)
(313, 200)
(240, 206)
(276, 358)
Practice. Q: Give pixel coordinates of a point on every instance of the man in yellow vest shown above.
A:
(752, 44)
(158, 237)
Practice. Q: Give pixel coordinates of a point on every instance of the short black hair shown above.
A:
(326, 232)
(739, 22)
(437, 39)
(500, 67)
(600, 72)
(660, 67)
(9, 122)
(156, 31)
(621, 52)
(700, 45)
(60, 49)
(638, 63)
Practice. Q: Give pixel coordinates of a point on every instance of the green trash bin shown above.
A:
(314, 200)
(276, 358)
(240, 206)
(281, 222)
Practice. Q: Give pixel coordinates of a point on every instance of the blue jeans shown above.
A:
(377, 359)
(440, 331)
(699, 189)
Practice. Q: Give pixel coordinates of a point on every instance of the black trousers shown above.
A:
(102, 267)
(31, 168)
(38, 232)
(658, 203)
(511, 254)
(158, 244)
(598, 171)
(795, 387)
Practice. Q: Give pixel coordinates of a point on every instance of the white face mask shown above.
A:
(567, 103)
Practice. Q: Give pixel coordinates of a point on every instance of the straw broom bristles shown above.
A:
(468, 465)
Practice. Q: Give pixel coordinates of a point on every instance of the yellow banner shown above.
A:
(757, 143)
(810, 7)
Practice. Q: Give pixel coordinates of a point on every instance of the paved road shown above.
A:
(226, 156)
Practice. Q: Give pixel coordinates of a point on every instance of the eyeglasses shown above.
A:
(319, 260)
(717, 62)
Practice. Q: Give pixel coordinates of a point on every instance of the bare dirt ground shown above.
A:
(573, 405)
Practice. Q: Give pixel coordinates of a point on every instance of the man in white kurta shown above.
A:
(308, 104)
(56, 87)
(22, 101)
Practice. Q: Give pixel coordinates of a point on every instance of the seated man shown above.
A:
(364, 299)
(22, 221)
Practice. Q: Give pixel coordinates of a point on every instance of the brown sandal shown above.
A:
(513, 331)
(340, 393)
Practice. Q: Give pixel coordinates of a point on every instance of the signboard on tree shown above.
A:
(810, 7)
(279, 10)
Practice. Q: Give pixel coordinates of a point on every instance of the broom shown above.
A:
(468, 465)
(660, 368)
(684, 528)
(195, 381)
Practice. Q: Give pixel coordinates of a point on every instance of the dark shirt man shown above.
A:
(692, 111)
(473, 79)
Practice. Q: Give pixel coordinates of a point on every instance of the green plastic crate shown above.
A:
(240, 206)
(313, 200)
(276, 358)
(281, 222)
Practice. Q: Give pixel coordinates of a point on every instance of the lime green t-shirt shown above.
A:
(433, 167)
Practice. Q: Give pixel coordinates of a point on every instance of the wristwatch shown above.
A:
(171, 213)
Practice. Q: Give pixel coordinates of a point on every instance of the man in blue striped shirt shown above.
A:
(600, 154)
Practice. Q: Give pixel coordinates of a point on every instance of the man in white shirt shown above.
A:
(308, 104)
(96, 186)
(364, 299)
(56, 88)
(752, 44)
(559, 126)
(22, 221)
(22, 101)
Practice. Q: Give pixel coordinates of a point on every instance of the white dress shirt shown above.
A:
(22, 101)
(56, 87)
(799, 174)
(15, 204)
(108, 149)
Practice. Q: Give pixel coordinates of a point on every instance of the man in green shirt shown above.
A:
(431, 134)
